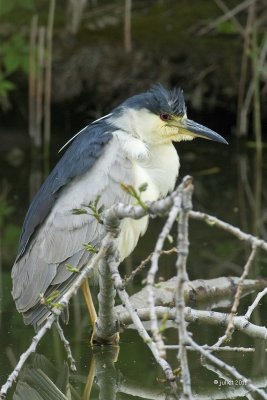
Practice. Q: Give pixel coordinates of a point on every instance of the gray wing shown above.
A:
(87, 147)
(60, 239)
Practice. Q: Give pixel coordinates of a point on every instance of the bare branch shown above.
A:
(199, 316)
(255, 303)
(176, 208)
(213, 221)
(230, 326)
(182, 277)
(218, 349)
(144, 263)
(207, 292)
(66, 345)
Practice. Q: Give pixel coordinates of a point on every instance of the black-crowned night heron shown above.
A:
(132, 145)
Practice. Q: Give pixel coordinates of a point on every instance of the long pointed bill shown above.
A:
(194, 129)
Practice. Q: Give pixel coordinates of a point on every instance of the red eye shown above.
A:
(165, 117)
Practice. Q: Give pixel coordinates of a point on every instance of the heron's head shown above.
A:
(159, 116)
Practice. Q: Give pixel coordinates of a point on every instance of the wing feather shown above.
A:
(41, 268)
(79, 158)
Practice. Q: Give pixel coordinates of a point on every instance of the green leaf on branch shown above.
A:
(71, 268)
(52, 296)
(143, 187)
(96, 210)
(136, 194)
(78, 211)
(49, 301)
(90, 248)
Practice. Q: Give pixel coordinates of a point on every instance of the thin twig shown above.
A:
(144, 263)
(228, 15)
(213, 221)
(220, 341)
(255, 303)
(230, 326)
(218, 349)
(66, 345)
(154, 269)
(138, 269)
(232, 16)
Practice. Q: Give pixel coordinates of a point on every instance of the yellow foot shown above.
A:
(99, 341)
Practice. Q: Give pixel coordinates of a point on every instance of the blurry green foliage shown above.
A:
(253, 144)
(14, 55)
(14, 49)
(225, 249)
(5, 211)
(6, 6)
(227, 27)
(11, 236)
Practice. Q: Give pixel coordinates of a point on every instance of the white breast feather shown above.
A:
(157, 166)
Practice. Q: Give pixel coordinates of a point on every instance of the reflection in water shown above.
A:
(41, 380)
(106, 375)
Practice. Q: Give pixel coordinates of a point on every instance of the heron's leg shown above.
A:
(89, 302)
